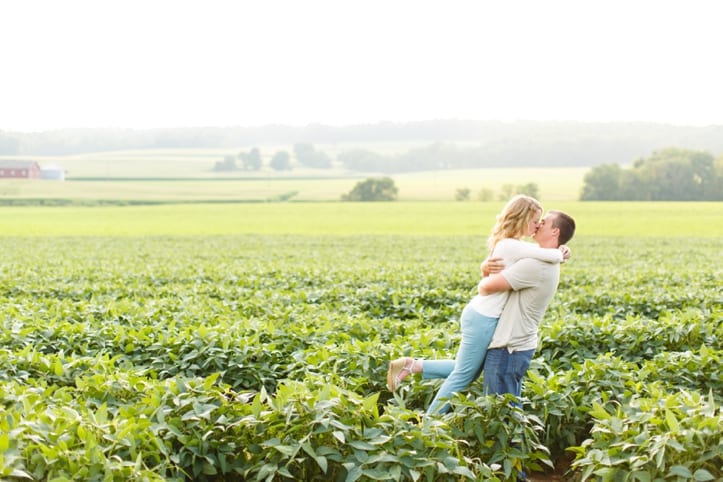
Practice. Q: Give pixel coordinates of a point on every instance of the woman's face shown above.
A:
(534, 223)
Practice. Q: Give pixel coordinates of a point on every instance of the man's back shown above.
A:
(534, 283)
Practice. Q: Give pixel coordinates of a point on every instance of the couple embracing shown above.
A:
(500, 325)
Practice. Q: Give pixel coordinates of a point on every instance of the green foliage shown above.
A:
(668, 175)
(228, 164)
(665, 437)
(309, 156)
(485, 195)
(602, 183)
(251, 160)
(500, 433)
(364, 160)
(281, 161)
(462, 194)
(509, 190)
(373, 189)
(248, 357)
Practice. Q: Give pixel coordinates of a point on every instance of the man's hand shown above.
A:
(492, 265)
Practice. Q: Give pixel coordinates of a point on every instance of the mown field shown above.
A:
(562, 184)
(251, 341)
(187, 175)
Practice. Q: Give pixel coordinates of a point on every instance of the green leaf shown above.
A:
(680, 471)
(353, 473)
(671, 421)
(361, 445)
(376, 474)
(702, 475)
(58, 367)
(267, 470)
(371, 403)
(640, 475)
(599, 412)
(21, 474)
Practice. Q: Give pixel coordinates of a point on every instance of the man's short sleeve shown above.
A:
(523, 274)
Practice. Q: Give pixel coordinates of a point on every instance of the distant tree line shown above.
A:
(250, 161)
(671, 174)
(306, 154)
(452, 143)
(502, 153)
(384, 189)
(506, 192)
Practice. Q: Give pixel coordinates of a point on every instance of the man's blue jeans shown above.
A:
(477, 331)
(503, 371)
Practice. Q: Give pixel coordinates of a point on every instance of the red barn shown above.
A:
(19, 169)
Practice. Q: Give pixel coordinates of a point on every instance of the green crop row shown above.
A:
(264, 358)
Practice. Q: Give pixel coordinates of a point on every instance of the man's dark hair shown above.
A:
(565, 224)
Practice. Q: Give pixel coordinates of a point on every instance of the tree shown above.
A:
(9, 146)
(373, 189)
(307, 155)
(531, 189)
(462, 194)
(506, 192)
(632, 186)
(509, 190)
(485, 194)
(228, 164)
(714, 189)
(281, 161)
(364, 160)
(250, 161)
(601, 183)
(671, 174)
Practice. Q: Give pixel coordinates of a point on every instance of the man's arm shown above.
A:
(493, 283)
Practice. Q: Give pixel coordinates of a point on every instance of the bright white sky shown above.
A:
(171, 63)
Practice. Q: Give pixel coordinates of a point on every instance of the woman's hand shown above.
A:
(566, 253)
(491, 266)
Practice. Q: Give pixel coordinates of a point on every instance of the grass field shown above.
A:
(191, 162)
(555, 184)
(174, 175)
(397, 218)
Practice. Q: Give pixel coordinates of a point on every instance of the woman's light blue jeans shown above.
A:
(477, 331)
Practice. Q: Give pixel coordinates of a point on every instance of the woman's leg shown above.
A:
(400, 369)
(477, 331)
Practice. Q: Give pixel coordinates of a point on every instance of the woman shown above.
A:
(520, 217)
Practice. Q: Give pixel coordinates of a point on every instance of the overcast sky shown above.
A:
(157, 63)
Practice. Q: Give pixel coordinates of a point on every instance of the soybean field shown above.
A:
(251, 342)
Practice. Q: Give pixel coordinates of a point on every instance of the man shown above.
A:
(534, 284)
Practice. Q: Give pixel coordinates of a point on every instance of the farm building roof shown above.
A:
(16, 164)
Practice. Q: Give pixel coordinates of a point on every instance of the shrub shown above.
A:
(373, 189)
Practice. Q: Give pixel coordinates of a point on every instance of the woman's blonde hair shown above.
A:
(513, 220)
